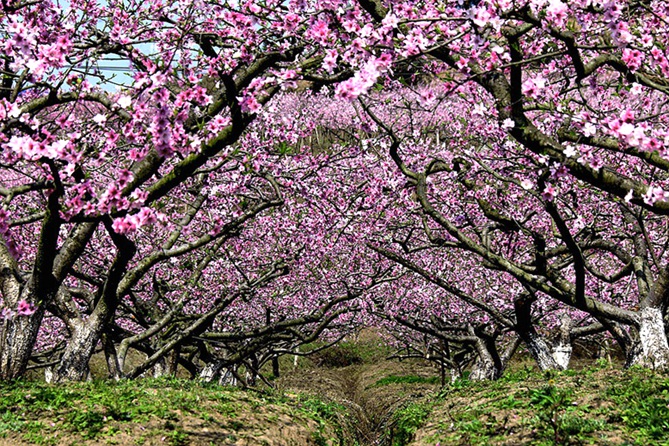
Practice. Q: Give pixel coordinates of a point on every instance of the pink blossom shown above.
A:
(99, 119)
(556, 13)
(549, 192)
(330, 61)
(7, 314)
(629, 196)
(291, 22)
(320, 31)
(534, 87)
(24, 308)
(633, 58)
(526, 184)
(249, 104)
(508, 124)
(654, 194)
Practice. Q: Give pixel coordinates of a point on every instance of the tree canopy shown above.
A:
(218, 183)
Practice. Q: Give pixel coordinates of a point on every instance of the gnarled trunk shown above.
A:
(488, 365)
(535, 343)
(74, 364)
(654, 349)
(85, 333)
(540, 350)
(211, 371)
(215, 370)
(167, 365)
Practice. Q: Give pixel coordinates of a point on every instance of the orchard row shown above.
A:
(216, 184)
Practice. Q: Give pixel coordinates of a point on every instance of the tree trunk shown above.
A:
(653, 339)
(535, 343)
(85, 333)
(214, 370)
(487, 365)
(167, 365)
(296, 357)
(540, 351)
(484, 368)
(113, 363)
(563, 349)
(74, 364)
(654, 351)
(228, 378)
(275, 367)
(211, 370)
(17, 338)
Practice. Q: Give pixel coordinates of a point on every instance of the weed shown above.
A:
(87, 423)
(177, 437)
(551, 403)
(407, 421)
(325, 413)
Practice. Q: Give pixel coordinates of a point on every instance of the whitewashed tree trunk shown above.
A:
(562, 349)
(540, 351)
(455, 374)
(210, 371)
(228, 378)
(562, 355)
(18, 333)
(167, 365)
(652, 336)
(485, 367)
(214, 370)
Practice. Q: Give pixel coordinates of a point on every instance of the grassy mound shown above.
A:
(157, 411)
(350, 396)
(598, 405)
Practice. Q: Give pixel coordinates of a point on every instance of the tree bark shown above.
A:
(535, 343)
(113, 363)
(86, 332)
(211, 370)
(487, 365)
(74, 364)
(562, 349)
(167, 365)
(17, 338)
(653, 339)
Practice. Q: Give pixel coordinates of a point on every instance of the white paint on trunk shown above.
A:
(655, 349)
(562, 355)
(228, 379)
(455, 375)
(540, 351)
(48, 375)
(210, 371)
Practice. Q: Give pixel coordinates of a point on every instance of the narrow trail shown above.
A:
(368, 413)
(370, 406)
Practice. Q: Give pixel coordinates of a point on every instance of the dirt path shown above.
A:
(371, 402)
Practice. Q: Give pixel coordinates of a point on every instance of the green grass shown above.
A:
(594, 406)
(598, 405)
(97, 411)
(328, 414)
(407, 420)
